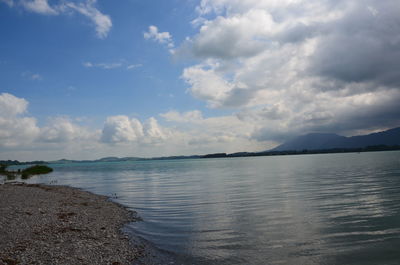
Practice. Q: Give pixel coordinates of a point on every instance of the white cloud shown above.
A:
(18, 131)
(186, 117)
(62, 130)
(32, 76)
(121, 129)
(11, 106)
(113, 65)
(235, 36)
(160, 37)
(154, 132)
(207, 84)
(15, 129)
(10, 3)
(296, 66)
(36, 77)
(214, 134)
(88, 64)
(348, 115)
(102, 22)
(181, 133)
(106, 66)
(133, 66)
(39, 6)
(87, 8)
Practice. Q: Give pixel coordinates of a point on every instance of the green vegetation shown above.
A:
(9, 174)
(374, 148)
(35, 170)
(25, 173)
(3, 168)
(16, 162)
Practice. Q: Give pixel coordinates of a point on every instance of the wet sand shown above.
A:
(42, 224)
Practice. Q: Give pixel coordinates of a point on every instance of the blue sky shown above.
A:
(55, 49)
(83, 79)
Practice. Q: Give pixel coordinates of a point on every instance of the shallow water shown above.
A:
(309, 209)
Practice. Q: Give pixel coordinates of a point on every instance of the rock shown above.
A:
(38, 227)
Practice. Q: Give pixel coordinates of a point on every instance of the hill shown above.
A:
(319, 141)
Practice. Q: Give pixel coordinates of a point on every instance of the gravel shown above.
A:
(42, 224)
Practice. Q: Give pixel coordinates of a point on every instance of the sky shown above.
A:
(85, 79)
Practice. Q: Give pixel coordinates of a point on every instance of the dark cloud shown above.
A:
(363, 46)
(330, 65)
(238, 97)
(298, 33)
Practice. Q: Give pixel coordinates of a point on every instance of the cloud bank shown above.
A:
(293, 67)
(280, 68)
(180, 133)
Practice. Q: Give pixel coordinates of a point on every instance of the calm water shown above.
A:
(312, 209)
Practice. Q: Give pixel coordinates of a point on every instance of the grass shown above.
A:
(3, 168)
(35, 170)
(25, 173)
(10, 175)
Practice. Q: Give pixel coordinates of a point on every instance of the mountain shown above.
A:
(389, 137)
(108, 159)
(312, 141)
(319, 141)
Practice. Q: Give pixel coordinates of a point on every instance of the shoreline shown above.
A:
(42, 224)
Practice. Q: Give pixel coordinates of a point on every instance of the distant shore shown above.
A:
(42, 224)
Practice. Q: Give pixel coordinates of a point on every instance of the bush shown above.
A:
(3, 168)
(35, 170)
(25, 173)
(10, 176)
(24, 176)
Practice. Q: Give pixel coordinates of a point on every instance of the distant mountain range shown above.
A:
(313, 143)
(118, 159)
(104, 159)
(323, 141)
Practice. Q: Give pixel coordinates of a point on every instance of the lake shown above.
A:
(305, 209)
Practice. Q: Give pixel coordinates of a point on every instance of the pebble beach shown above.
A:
(42, 224)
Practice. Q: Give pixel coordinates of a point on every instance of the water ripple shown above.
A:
(315, 209)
